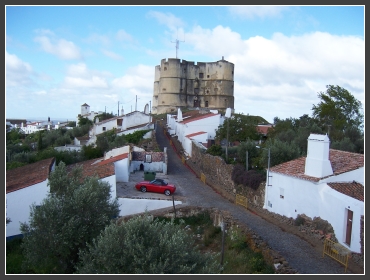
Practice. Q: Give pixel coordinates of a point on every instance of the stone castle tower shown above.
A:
(183, 84)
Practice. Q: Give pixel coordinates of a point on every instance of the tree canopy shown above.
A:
(75, 211)
(144, 245)
(339, 110)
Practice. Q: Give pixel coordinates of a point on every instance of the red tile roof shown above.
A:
(113, 159)
(93, 167)
(28, 175)
(263, 129)
(354, 189)
(195, 134)
(341, 162)
(197, 117)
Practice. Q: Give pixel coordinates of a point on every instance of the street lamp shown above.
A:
(268, 175)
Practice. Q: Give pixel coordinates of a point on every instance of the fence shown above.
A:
(242, 200)
(337, 252)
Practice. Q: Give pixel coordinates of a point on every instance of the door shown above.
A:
(349, 227)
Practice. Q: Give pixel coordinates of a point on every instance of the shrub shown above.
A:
(299, 221)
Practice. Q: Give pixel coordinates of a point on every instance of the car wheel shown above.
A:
(143, 189)
(167, 192)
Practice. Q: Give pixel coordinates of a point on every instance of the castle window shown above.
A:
(165, 68)
(207, 76)
(207, 91)
(206, 104)
(163, 89)
(201, 75)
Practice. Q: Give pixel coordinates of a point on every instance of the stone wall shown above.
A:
(218, 176)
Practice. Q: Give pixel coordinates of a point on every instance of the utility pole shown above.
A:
(136, 104)
(118, 109)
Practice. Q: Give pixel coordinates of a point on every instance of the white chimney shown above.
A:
(179, 115)
(317, 161)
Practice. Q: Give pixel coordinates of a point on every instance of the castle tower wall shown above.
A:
(188, 85)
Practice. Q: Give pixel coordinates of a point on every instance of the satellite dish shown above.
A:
(228, 113)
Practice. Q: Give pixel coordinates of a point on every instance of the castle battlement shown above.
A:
(185, 84)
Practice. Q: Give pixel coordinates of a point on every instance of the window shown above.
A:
(201, 75)
(206, 104)
(165, 68)
(104, 128)
(148, 158)
(207, 76)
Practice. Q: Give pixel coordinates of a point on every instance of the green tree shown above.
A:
(83, 121)
(74, 213)
(280, 152)
(338, 109)
(241, 127)
(250, 147)
(39, 141)
(215, 150)
(144, 245)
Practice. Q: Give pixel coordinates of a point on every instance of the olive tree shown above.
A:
(144, 245)
(75, 211)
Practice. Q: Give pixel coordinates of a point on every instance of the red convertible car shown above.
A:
(156, 185)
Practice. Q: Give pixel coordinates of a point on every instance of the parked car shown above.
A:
(156, 185)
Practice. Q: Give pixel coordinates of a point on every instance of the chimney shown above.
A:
(317, 161)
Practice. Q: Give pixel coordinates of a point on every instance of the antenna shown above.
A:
(177, 42)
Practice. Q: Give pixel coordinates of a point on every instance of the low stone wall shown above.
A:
(255, 242)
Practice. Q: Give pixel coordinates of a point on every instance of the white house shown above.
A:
(25, 185)
(194, 126)
(85, 113)
(121, 158)
(327, 183)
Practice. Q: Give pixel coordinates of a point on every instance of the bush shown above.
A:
(299, 221)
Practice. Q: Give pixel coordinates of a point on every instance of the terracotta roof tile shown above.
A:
(195, 134)
(113, 159)
(197, 117)
(341, 162)
(354, 189)
(28, 175)
(93, 167)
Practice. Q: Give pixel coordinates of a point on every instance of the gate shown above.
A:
(337, 252)
(242, 200)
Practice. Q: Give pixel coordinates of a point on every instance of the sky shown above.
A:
(60, 57)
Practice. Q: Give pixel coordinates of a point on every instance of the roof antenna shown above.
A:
(177, 42)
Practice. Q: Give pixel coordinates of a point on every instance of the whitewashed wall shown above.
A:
(135, 119)
(112, 181)
(122, 170)
(314, 200)
(18, 205)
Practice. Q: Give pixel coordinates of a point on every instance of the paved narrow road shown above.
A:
(299, 254)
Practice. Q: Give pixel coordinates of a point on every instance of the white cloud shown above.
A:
(63, 49)
(112, 55)
(141, 77)
(167, 19)
(78, 75)
(18, 72)
(285, 70)
(251, 12)
(100, 39)
(122, 35)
